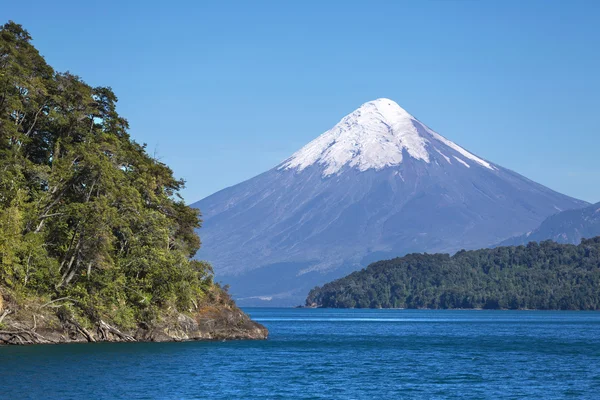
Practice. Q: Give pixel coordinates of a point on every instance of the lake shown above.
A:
(324, 353)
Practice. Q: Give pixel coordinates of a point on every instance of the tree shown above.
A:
(85, 212)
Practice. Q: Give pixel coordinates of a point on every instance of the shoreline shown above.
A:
(442, 309)
(34, 326)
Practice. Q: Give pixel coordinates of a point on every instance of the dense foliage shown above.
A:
(85, 213)
(537, 276)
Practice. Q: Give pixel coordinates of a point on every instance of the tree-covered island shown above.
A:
(544, 276)
(95, 243)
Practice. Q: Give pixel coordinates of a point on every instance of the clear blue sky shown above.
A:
(225, 90)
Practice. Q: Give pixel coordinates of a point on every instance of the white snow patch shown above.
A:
(445, 156)
(462, 162)
(374, 136)
(462, 151)
(396, 173)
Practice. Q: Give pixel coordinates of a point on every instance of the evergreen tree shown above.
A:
(85, 212)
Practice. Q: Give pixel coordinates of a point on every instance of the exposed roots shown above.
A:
(105, 329)
(20, 335)
(23, 336)
(83, 331)
(4, 314)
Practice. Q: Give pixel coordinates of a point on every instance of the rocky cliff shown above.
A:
(32, 321)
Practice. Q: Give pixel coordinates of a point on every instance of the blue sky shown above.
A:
(224, 90)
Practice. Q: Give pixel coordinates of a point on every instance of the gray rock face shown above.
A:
(567, 227)
(213, 323)
(381, 185)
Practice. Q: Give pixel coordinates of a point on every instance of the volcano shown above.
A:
(379, 184)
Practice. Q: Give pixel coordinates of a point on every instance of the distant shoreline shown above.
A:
(439, 309)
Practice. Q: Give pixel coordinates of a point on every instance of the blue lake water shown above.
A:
(321, 353)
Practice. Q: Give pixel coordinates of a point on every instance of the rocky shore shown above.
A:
(51, 323)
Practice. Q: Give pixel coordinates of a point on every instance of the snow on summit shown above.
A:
(374, 137)
(293, 230)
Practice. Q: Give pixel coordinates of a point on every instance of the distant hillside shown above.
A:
(565, 227)
(537, 276)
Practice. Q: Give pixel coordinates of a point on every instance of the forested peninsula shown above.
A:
(541, 276)
(95, 242)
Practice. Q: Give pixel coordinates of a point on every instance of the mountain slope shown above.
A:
(565, 227)
(378, 184)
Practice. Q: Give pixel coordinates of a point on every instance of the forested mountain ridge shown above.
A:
(95, 243)
(537, 276)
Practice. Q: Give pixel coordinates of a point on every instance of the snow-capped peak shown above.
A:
(373, 137)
